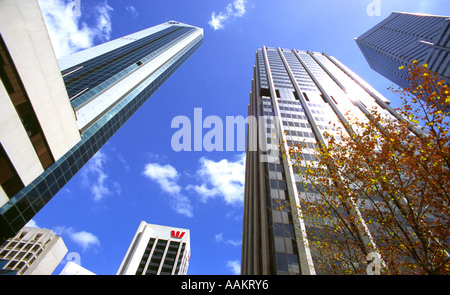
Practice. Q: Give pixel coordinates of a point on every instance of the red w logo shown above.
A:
(177, 234)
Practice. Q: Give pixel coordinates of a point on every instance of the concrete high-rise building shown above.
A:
(157, 250)
(403, 37)
(33, 251)
(56, 114)
(300, 95)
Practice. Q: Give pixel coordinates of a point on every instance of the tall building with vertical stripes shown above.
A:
(403, 37)
(299, 95)
(56, 114)
(157, 250)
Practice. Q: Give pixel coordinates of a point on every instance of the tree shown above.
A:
(383, 188)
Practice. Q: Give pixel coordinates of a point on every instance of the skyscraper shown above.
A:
(55, 115)
(157, 250)
(300, 95)
(33, 251)
(403, 37)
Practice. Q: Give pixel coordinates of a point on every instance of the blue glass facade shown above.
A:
(98, 72)
(404, 37)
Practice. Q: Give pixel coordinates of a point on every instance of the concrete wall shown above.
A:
(23, 29)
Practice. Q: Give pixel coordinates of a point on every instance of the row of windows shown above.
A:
(296, 124)
(299, 133)
(286, 257)
(111, 70)
(99, 69)
(293, 116)
(294, 102)
(157, 251)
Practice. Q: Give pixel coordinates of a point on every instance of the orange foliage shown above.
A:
(398, 182)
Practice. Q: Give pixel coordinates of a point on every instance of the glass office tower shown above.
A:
(403, 37)
(296, 96)
(94, 93)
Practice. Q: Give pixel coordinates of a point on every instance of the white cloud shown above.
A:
(32, 223)
(67, 32)
(182, 205)
(224, 178)
(94, 176)
(104, 25)
(234, 266)
(219, 239)
(84, 239)
(219, 179)
(203, 191)
(216, 21)
(167, 176)
(234, 9)
(239, 7)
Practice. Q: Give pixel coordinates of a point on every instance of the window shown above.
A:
(306, 96)
(19, 98)
(9, 179)
(293, 266)
(281, 262)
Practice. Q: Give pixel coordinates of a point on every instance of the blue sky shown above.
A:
(137, 175)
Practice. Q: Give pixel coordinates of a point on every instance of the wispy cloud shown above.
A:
(167, 176)
(219, 239)
(221, 179)
(234, 266)
(67, 32)
(104, 25)
(84, 239)
(94, 177)
(234, 9)
(131, 9)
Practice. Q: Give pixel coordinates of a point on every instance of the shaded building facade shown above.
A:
(403, 37)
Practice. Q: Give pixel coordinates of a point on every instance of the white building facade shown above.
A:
(33, 251)
(157, 250)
